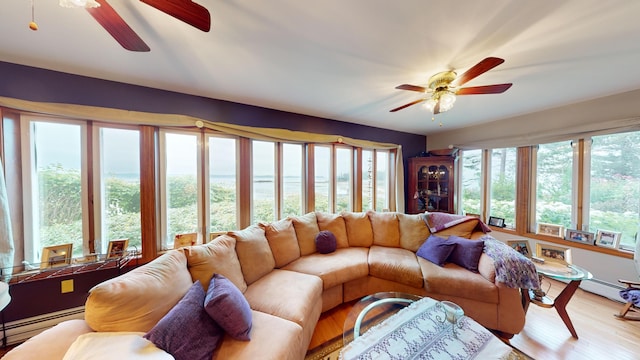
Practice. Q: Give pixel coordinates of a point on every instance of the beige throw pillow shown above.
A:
(283, 242)
(359, 230)
(254, 253)
(216, 257)
(137, 300)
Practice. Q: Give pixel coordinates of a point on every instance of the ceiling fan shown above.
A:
(444, 86)
(184, 10)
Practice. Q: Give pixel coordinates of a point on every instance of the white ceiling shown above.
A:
(341, 59)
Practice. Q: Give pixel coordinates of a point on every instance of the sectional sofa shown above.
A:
(287, 284)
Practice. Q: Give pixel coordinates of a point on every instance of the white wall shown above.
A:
(606, 269)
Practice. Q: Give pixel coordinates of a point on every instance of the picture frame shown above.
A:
(186, 239)
(521, 246)
(550, 230)
(553, 253)
(56, 256)
(583, 237)
(496, 221)
(608, 239)
(117, 248)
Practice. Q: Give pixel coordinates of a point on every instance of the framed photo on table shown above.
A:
(584, 237)
(551, 230)
(521, 246)
(496, 221)
(56, 256)
(608, 239)
(552, 253)
(117, 248)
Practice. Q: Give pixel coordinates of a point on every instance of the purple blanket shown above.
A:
(512, 268)
(437, 221)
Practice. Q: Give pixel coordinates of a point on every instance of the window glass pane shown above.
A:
(322, 177)
(382, 180)
(471, 181)
(57, 186)
(503, 185)
(367, 180)
(615, 185)
(120, 181)
(264, 191)
(222, 184)
(182, 184)
(343, 179)
(291, 179)
(553, 183)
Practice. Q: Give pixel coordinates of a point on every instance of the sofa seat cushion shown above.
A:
(100, 346)
(335, 268)
(137, 300)
(216, 257)
(395, 264)
(272, 338)
(454, 280)
(286, 294)
(52, 343)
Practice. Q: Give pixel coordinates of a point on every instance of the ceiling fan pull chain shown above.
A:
(32, 25)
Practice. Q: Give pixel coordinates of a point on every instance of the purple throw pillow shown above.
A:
(326, 242)
(187, 332)
(466, 252)
(226, 305)
(436, 250)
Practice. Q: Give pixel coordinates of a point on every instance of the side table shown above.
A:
(563, 272)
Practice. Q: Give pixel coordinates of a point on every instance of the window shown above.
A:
(223, 165)
(615, 185)
(503, 185)
(471, 181)
(343, 176)
(181, 192)
(382, 180)
(554, 177)
(55, 186)
(322, 177)
(292, 156)
(367, 180)
(263, 181)
(118, 180)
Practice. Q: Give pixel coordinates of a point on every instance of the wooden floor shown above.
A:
(545, 337)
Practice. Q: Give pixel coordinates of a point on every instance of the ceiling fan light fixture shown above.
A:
(431, 104)
(79, 3)
(447, 99)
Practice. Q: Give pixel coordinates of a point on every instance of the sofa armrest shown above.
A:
(487, 268)
(51, 344)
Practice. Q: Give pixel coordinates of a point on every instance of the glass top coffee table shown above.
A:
(372, 310)
(563, 272)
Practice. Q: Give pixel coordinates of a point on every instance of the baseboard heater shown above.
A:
(20, 330)
(603, 288)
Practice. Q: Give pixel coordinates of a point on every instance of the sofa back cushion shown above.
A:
(306, 227)
(254, 253)
(464, 229)
(216, 257)
(335, 224)
(413, 231)
(137, 300)
(359, 230)
(282, 239)
(386, 230)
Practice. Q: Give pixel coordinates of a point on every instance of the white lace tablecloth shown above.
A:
(419, 331)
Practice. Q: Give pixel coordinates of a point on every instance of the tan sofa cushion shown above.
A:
(52, 343)
(464, 229)
(454, 280)
(335, 268)
(306, 227)
(395, 264)
(413, 231)
(283, 242)
(386, 230)
(286, 294)
(359, 230)
(254, 253)
(335, 224)
(216, 257)
(137, 300)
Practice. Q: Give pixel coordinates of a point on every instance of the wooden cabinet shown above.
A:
(431, 184)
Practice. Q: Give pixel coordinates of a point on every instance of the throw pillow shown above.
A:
(436, 250)
(466, 252)
(226, 305)
(187, 332)
(326, 242)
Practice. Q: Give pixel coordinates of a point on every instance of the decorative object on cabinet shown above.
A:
(431, 183)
